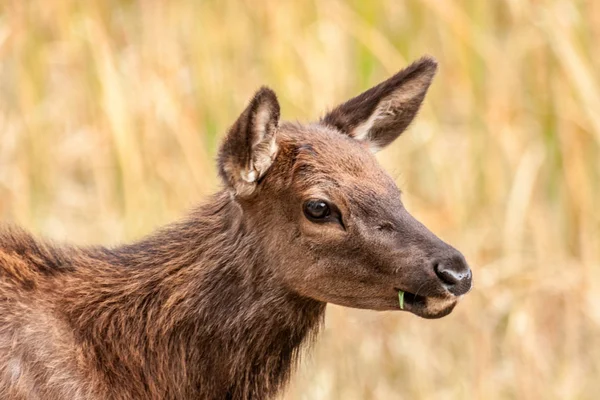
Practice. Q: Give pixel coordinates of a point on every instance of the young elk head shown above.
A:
(328, 218)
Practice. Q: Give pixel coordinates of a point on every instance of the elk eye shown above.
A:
(316, 210)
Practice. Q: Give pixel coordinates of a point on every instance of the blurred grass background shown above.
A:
(111, 112)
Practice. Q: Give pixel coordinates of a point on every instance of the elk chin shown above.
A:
(429, 307)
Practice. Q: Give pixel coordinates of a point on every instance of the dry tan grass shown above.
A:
(111, 112)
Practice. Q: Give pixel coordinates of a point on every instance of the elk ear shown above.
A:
(379, 115)
(250, 147)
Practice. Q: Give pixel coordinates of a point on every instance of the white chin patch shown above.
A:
(436, 306)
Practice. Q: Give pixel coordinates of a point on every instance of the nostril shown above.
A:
(447, 275)
(458, 278)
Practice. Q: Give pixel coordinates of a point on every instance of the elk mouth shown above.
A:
(423, 306)
(410, 300)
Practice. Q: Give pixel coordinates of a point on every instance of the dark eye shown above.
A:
(316, 210)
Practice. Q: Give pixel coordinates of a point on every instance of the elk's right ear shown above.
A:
(250, 148)
(379, 115)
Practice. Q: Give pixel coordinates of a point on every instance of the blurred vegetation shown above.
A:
(111, 112)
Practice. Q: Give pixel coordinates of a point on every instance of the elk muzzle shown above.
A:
(453, 272)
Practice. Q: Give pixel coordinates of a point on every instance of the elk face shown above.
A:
(329, 218)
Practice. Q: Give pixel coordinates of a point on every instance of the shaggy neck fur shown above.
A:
(193, 311)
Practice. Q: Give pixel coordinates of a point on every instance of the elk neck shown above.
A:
(201, 294)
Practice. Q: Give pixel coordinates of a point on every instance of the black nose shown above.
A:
(455, 273)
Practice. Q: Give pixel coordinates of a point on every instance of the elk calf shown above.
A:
(218, 305)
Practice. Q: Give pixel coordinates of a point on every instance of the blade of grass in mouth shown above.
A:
(401, 299)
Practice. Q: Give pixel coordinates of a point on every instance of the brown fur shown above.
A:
(218, 305)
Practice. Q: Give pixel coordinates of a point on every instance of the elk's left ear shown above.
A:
(250, 148)
(379, 115)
